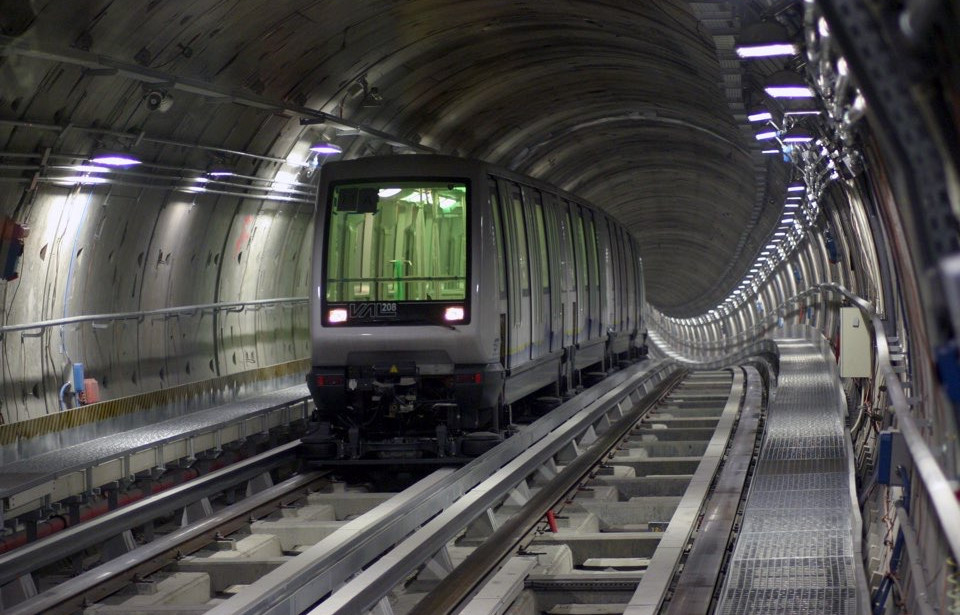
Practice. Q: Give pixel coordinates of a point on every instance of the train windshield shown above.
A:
(397, 241)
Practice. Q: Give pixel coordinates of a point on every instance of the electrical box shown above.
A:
(856, 344)
(892, 453)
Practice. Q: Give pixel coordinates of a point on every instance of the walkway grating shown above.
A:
(795, 552)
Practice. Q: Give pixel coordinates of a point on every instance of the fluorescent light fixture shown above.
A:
(760, 115)
(385, 193)
(454, 313)
(767, 134)
(337, 315)
(794, 91)
(220, 173)
(796, 188)
(770, 151)
(797, 137)
(794, 198)
(787, 84)
(801, 112)
(113, 159)
(326, 148)
(767, 51)
(780, 234)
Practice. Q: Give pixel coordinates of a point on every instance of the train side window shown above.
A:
(583, 271)
(518, 226)
(594, 281)
(542, 236)
(498, 240)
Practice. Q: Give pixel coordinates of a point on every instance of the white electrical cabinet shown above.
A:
(856, 344)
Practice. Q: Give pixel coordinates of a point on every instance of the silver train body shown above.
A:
(446, 290)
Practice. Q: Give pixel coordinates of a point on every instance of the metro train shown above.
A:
(448, 291)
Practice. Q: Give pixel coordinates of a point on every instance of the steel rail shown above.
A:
(335, 560)
(71, 595)
(460, 583)
(40, 553)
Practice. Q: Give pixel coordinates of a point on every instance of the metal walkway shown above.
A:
(798, 546)
(60, 473)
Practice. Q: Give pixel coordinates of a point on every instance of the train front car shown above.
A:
(405, 351)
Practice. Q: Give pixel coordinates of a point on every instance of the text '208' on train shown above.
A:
(447, 294)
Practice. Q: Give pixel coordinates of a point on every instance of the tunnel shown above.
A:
(782, 169)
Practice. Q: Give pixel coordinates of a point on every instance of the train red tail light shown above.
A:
(328, 380)
(476, 378)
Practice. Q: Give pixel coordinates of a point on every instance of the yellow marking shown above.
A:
(41, 425)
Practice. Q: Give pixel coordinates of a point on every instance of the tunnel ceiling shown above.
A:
(623, 103)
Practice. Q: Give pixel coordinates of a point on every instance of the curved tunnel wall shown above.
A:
(119, 250)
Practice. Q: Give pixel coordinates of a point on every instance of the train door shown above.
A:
(608, 289)
(540, 320)
(501, 261)
(559, 259)
(518, 275)
(582, 331)
(594, 279)
(630, 280)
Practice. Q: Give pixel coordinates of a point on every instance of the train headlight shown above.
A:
(337, 315)
(454, 313)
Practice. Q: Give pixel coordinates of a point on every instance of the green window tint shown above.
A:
(397, 241)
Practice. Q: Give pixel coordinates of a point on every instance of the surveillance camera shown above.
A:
(158, 101)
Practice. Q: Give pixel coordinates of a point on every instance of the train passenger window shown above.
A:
(520, 227)
(542, 236)
(498, 239)
(397, 241)
(594, 281)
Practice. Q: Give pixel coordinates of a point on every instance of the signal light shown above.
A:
(454, 313)
(337, 315)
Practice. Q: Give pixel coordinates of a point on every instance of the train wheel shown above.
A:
(318, 447)
(478, 443)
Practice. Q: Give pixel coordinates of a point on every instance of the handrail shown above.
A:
(185, 310)
(755, 330)
(938, 487)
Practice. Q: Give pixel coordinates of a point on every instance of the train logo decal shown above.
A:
(373, 309)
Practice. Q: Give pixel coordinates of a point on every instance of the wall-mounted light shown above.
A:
(326, 148)
(797, 135)
(764, 40)
(759, 114)
(114, 159)
(787, 84)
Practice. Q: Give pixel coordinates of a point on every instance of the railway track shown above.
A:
(580, 506)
